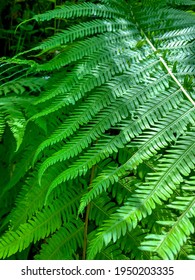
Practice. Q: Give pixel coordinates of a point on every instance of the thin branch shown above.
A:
(87, 217)
(169, 71)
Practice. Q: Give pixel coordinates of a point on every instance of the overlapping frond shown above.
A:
(40, 226)
(168, 244)
(158, 187)
(81, 10)
(64, 243)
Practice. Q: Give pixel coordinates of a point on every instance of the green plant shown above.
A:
(12, 12)
(97, 138)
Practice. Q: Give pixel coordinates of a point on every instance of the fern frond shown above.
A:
(87, 47)
(80, 10)
(149, 143)
(131, 241)
(2, 125)
(181, 2)
(14, 118)
(97, 187)
(106, 147)
(168, 244)
(82, 30)
(95, 102)
(101, 208)
(63, 244)
(162, 184)
(40, 226)
(19, 86)
(112, 252)
(32, 198)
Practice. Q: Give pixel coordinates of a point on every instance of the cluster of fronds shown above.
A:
(97, 139)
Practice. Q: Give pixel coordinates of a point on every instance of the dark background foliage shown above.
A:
(13, 12)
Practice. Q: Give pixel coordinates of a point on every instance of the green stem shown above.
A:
(87, 218)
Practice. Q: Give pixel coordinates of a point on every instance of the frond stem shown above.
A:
(87, 217)
(163, 61)
(169, 70)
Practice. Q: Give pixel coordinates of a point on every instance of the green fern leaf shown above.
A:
(64, 243)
